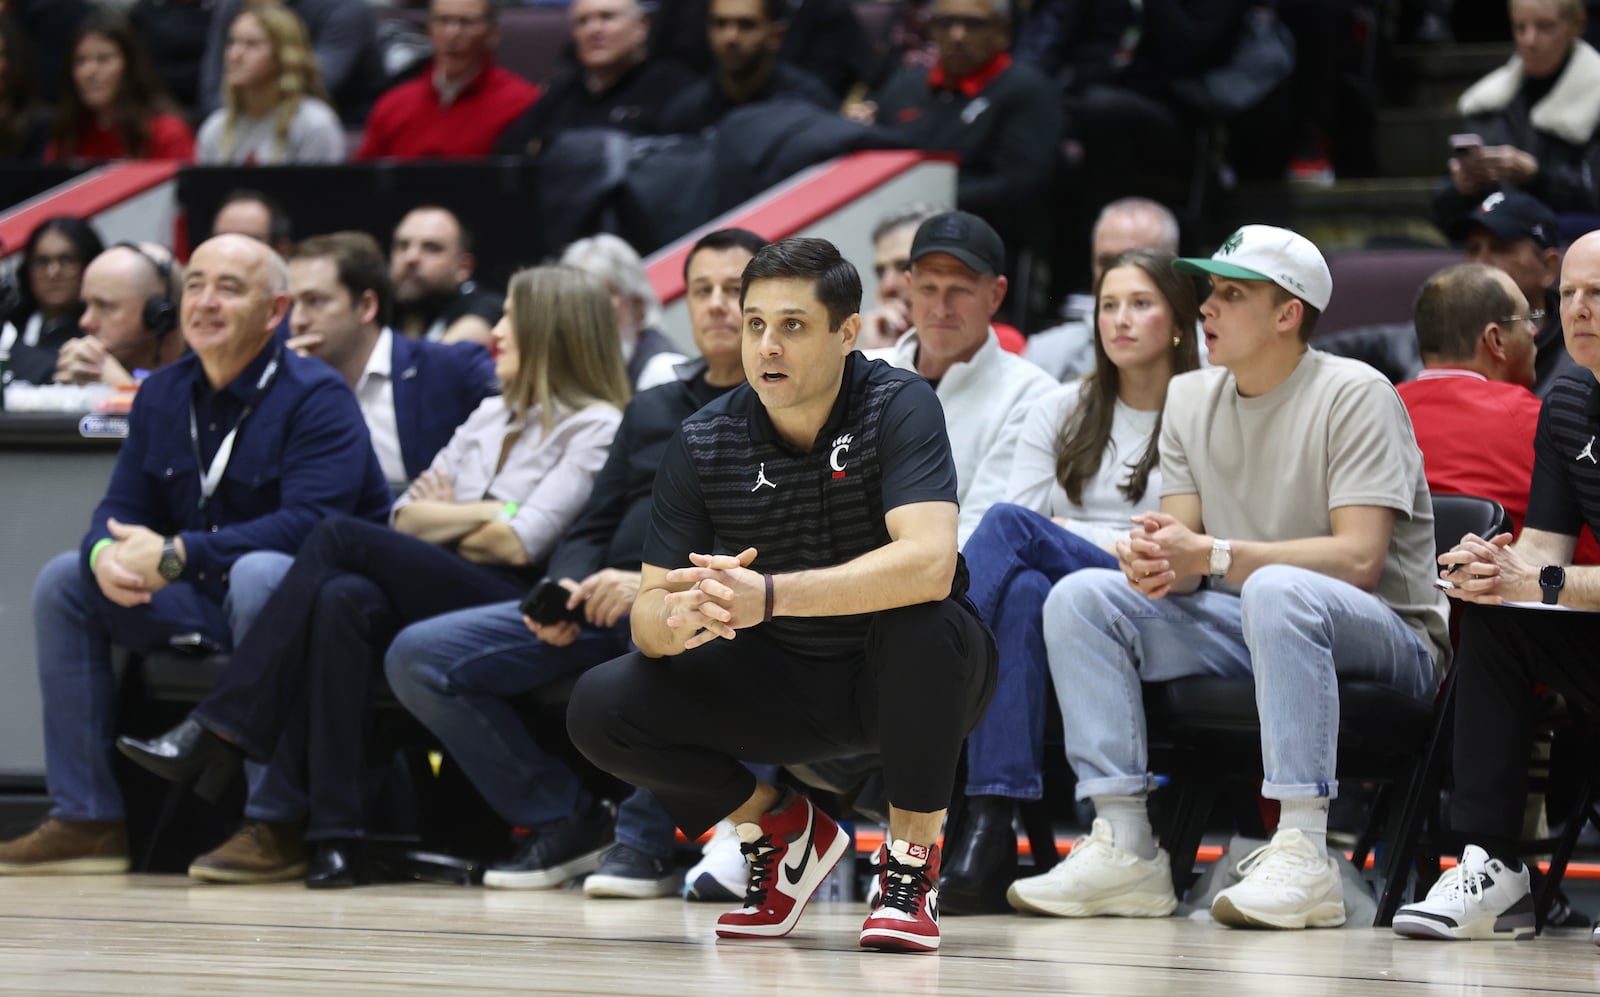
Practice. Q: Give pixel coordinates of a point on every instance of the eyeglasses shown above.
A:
(1532, 318)
(444, 22)
(65, 261)
(945, 23)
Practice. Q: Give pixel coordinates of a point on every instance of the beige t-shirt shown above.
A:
(1271, 468)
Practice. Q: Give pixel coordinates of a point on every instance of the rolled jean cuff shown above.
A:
(1300, 791)
(1115, 785)
(1032, 791)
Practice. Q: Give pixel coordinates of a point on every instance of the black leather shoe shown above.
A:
(186, 752)
(981, 862)
(337, 865)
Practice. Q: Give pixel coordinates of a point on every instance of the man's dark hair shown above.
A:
(835, 280)
(724, 238)
(279, 226)
(461, 226)
(1455, 304)
(360, 262)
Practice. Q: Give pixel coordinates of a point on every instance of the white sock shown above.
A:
(1130, 823)
(1308, 816)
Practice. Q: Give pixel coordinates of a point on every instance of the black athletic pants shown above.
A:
(680, 726)
(1504, 652)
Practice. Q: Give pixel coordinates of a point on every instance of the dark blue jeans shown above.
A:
(1014, 557)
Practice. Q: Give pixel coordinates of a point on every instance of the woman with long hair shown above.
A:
(1086, 461)
(24, 131)
(274, 107)
(469, 531)
(49, 302)
(112, 105)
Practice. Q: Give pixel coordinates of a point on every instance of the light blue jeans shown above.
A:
(1295, 631)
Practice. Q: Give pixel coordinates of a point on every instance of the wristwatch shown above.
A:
(170, 566)
(1551, 579)
(1221, 558)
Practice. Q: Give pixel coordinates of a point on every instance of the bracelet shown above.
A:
(507, 512)
(767, 616)
(104, 542)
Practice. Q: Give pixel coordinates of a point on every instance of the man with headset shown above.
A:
(128, 318)
(238, 448)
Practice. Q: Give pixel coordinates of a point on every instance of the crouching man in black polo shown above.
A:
(841, 628)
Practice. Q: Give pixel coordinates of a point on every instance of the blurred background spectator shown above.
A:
(175, 33)
(649, 354)
(113, 106)
(344, 35)
(825, 37)
(24, 130)
(50, 24)
(49, 296)
(275, 109)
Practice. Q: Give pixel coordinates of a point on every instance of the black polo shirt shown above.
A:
(1565, 493)
(728, 481)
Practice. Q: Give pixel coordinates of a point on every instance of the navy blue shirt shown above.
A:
(1564, 495)
(301, 455)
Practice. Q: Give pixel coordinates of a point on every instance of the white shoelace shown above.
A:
(1276, 863)
(1460, 883)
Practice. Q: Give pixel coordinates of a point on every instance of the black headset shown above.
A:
(160, 313)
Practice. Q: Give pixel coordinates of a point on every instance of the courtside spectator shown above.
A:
(461, 103)
(175, 34)
(1291, 480)
(649, 354)
(1513, 232)
(745, 37)
(494, 502)
(1067, 351)
(49, 296)
(112, 105)
(24, 128)
(883, 326)
(825, 36)
(615, 83)
(457, 672)
(1002, 120)
(177, 525)
(430, 266)
(274, 108)
(1534, 118)
(957, 285)
(129, 321)
(1086, 462)
(1506, 650)
(257, 215)
(344, 36)
(1471, 406)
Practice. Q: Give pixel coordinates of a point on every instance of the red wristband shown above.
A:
(767, 616)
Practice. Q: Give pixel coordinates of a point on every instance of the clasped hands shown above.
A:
(725, 597)
(127, 569)
(1489, 572)
(1158, 551)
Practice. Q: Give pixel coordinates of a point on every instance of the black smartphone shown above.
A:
(546, 604)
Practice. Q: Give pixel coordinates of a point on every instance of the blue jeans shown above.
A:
(277, 789)
(457, 673)
(74, 628)
(1294, 631)
(1014, 556)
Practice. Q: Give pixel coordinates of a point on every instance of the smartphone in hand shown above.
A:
(546, 604)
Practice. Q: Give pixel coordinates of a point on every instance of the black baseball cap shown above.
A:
(963, 235)
(1513, 214)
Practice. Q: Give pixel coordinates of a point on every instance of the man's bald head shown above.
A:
(1580, 301)
(116, 285)
(235, 293)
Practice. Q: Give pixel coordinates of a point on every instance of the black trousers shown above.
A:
(679, 726)
(318, 643)
(1504, 652)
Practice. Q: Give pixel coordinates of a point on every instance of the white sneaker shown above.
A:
(1099, 879)
(1288, 883)
(1480, 898)
(1596, 936)
(722, 872)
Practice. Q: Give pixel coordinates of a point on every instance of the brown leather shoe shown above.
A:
(67, 848)
(259, 852)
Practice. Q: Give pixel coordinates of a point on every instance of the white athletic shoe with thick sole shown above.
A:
(1098, 879)
(1479, 899)
(1288, 883)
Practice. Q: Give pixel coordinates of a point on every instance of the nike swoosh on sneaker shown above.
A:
(794, 873)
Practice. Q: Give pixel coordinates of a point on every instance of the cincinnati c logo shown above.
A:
(841, 446)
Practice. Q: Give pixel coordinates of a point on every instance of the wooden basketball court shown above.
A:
(160, 934)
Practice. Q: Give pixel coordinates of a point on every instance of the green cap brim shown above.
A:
(1199, 265)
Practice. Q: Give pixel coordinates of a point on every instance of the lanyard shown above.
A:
(211, 477)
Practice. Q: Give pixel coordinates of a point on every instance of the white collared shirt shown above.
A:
(375, 394)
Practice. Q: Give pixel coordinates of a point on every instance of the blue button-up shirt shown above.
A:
(301, 455)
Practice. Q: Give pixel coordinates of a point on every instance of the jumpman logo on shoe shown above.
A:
(1587, 451)
(761, 479)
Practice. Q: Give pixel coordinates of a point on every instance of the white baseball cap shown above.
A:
(1266, 252)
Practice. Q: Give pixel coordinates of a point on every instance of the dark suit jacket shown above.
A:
(436, 386)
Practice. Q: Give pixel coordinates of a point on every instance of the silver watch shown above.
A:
(1221, 558)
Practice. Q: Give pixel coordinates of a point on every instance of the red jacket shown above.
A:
(410, 122)
(170, 138)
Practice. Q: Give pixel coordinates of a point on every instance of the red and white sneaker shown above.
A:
(790, 854)
(906, 916)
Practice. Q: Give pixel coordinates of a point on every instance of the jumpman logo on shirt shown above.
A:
(1588, 451)
(761, 479)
